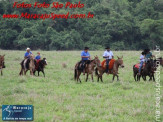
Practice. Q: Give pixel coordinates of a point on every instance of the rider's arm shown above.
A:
(85, 56)
(82, 55)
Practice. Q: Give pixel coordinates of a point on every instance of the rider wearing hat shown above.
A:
(28, 53)
(85, 56)
(148, 55)
(108, 55)
(26, 56)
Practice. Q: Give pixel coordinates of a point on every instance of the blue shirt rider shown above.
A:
(28, 53)
(26, 57)
(85, 56)
(38, 57)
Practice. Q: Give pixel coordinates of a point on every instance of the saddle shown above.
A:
(138, 65)
(26, 63)
(111, 63)
(82, 64)
(37, 64)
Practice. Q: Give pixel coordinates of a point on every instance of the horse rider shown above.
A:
(27, 56)
(85, 59)
(142, 59)
(37, 58)
(108, 55)
(148, 55)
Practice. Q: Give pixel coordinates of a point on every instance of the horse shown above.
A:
(89, 69)
(113, 71)
(136, 73)
(40, 66)
(28, 64)
(149, 70)
(2, 63)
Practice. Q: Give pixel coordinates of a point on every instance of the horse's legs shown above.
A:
(87, 77)
(135, 76)
(21, 71)
(139, 77)
(25, 71)
(1, 72)
(153, 77)
(98, 78)
(101, 78)
(144, 78)
(31, 72)
(43, 73)
(34, 72)
(78, 76)
(92, 77)
(117, 77)
(38, 73)
(113, 77)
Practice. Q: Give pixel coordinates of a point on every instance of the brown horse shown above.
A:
(89, 69)
(28, 64)
(113, 71)
(2, 63)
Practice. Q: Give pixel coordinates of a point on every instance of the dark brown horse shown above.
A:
(2, 63)
(149, 70)
(28, 64)
(40, 66)
(113, 71)
(89, 69)
(136, 74)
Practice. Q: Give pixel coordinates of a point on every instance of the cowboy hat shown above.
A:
(107, 48)
(86, 48)
(28, 48)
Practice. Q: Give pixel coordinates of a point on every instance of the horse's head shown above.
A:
(97, 61)
(120, 61)
(2, 59)
(45, 61)
(32, 57)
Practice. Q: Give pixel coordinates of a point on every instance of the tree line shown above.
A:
(120, 24)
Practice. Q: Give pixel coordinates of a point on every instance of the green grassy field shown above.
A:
(57, 97)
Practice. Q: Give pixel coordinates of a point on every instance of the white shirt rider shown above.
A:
(108, 54)
(142, 58)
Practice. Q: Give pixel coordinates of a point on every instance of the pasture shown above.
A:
(57, 97)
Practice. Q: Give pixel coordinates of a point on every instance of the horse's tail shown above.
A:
(75, 74)
(96, 72)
